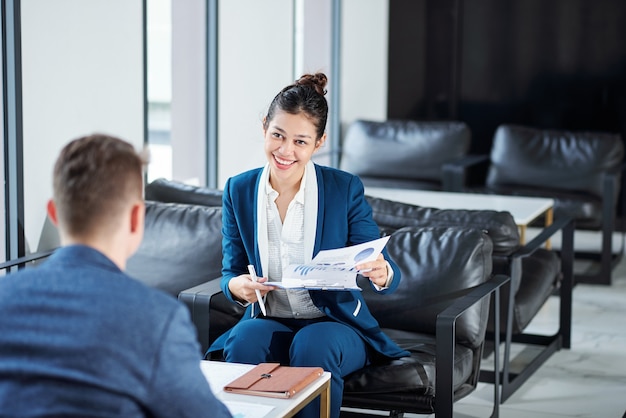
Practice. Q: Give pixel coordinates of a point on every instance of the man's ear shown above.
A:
(52, 212)
(137, 218)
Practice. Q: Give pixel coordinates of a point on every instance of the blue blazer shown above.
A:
(81, 338)
(343, 218)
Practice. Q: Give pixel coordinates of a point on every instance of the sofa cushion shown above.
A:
(404, 149)
(391, 215)
(169, 191)
(181, 248)
(436, 264)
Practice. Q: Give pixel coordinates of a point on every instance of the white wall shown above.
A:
(82, 73)
(188, 134)
(256, 59)
(364, 53)
(255, 62)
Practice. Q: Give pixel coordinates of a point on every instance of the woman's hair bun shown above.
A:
(316, 81)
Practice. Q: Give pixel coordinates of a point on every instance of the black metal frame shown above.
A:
(445, 342)
(511, 381)
(446, 322)
(13, 130)
(606, 258)
(22, 262)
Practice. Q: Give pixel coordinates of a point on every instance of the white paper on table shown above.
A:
(247, 410)
(331, 269)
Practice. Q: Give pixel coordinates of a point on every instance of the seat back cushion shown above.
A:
(169, 191)
(500, 226)
(403, 149)
(181, 248)
(438, 265)
(551, 159)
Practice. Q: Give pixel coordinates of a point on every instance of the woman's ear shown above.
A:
(320, 142)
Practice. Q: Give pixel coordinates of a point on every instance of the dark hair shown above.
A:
(305, 95)
(95, 178)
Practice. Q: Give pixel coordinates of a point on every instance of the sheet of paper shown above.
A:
(247, 410)
(331, 269)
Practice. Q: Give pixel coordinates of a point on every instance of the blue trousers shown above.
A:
(335, 347)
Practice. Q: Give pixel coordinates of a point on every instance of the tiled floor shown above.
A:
(586, 381)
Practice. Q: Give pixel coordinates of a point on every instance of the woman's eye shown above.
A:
(277, 135)
(300, 142)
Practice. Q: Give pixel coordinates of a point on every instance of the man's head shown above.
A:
(98, 191)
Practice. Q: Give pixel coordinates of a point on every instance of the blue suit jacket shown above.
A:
(344, 218)
(81, 338)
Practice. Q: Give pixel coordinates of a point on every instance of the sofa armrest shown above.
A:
(456, 174)
(198, 301)
(445, 330)
(566, 226)
(610, 204)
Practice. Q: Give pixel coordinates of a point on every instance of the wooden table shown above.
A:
(218, 374)
(523, 209)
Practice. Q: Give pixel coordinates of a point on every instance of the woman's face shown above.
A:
(290, 141)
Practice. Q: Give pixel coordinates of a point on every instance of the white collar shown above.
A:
(307, 193)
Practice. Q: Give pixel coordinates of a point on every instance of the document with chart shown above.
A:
(331, 269)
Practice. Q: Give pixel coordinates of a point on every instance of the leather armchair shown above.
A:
(409, 154)
(536, 274)
(436, 298)
(440, 314)
(581, 171)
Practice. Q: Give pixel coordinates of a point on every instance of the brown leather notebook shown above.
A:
(274, 380)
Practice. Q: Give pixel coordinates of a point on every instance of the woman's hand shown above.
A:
(376, 271)
(243, 288)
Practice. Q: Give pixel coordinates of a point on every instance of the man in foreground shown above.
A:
(78, 336)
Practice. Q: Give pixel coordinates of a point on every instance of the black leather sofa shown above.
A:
(536, 273)
(440, 314)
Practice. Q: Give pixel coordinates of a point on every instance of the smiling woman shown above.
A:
(285, 213)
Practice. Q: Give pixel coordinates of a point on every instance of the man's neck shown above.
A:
(106, 247)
